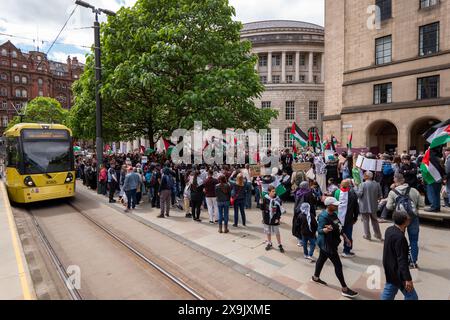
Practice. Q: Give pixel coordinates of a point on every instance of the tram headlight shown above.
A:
(69, 177)
(29, 182)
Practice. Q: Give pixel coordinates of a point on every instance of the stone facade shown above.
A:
(352, 73)
(291, 60)
(25, 76)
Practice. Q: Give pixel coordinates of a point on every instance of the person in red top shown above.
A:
(102, 180)
(211, 201)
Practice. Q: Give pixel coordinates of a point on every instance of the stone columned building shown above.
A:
(291, 66)
(387, 80)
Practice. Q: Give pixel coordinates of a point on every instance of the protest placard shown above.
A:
(301, 166)
(255, 171)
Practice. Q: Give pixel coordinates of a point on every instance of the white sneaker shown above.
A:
(348, 255)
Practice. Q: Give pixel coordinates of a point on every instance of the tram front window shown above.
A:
(46, 156)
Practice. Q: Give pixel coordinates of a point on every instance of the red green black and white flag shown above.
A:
(430, 168)
(438, 134)
(299, 135)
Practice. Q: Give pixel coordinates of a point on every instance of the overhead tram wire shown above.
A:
(62, 29)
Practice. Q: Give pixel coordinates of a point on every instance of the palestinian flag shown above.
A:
(299, 135)
(438, 134)
(279, 188)
(430, 168)
(295, 150)
(318, 141)
(76, 148)
(350, 139)
(168, 146)
(149, 151)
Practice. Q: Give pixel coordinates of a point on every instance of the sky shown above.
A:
(28, 23)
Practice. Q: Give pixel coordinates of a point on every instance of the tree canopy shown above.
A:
(166, 64)
(42, 110)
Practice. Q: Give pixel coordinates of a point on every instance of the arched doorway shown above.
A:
(382, 136)
(418, 128)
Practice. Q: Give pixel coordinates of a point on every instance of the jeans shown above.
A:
(239, 205)
(131, 197)
(224, 212)
(334, 258)
(151, 193)
(257, 195)
(413, 235)
(434, 195)
(348, 231)
(248, 201)
(390, 291)
(312, 246)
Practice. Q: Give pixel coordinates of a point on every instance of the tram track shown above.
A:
(149, 263)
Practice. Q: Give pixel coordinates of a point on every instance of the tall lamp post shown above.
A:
(98, 78)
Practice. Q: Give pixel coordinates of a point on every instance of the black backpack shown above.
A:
(404, 204)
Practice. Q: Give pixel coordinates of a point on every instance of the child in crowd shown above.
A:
(271, 213)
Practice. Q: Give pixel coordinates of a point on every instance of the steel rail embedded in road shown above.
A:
(166, 273)
(74, 293)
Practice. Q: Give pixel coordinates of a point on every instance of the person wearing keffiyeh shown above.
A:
(308, 226)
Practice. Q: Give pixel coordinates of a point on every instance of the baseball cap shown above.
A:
(331, 201)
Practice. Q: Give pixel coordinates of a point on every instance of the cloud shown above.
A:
(30, 19)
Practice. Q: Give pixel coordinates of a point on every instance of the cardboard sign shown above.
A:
(255, 171)
(144, 160)
(301, 166)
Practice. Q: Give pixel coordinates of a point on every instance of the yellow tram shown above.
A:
(38, 162)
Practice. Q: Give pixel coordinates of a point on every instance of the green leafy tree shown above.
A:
(168, 63)
(42, 110)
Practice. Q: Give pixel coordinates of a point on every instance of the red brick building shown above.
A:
(25, 76)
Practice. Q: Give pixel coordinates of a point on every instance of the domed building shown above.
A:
(291, 66)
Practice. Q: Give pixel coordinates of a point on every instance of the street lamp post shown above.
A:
(98, 79)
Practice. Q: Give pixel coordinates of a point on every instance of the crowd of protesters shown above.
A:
(333, 184)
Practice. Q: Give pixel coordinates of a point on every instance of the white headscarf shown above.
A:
(305, 209)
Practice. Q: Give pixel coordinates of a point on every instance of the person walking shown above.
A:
(406, 199)
(348, 214)
(271, 214)
(329, 237)
(165, 192)
(238, 197)
(395, 260)
(210, 193)
(369, 193)
(308, 230)
(130, 186)
(112, 183)
(223, 194)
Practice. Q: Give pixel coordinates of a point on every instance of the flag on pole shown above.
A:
(294, 150)
(299, 135)
(438, 134)
(430, 168)
(349, 144)
(168, 146)
(318, 141)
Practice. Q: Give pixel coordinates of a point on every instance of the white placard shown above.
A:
(359, 161)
